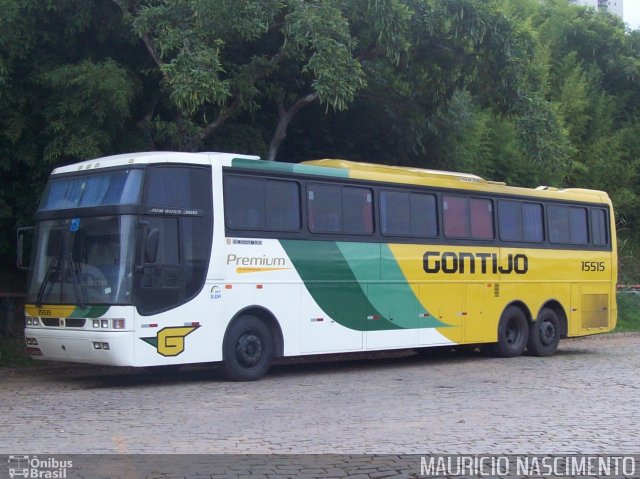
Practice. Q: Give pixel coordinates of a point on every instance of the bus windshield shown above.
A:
(83, 261)
(98, 189)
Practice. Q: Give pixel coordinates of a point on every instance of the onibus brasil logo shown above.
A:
(34, 467)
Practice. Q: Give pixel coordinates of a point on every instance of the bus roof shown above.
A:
(344, 169)
(125, 159)
(449, 179)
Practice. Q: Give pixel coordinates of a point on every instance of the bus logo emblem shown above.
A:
(170, 341)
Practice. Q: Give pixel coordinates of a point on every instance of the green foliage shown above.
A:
(542, 135)
(526, 91)
(188, 39)
(628, 312)
(13, 354)
(87, 104)
(321, 28)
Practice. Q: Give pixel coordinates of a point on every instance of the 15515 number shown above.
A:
(592, 265)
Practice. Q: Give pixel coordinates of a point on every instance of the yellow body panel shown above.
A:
(468, 287)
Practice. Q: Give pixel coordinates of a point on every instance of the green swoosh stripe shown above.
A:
(346, 280)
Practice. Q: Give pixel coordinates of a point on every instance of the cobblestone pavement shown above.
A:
(585, 399)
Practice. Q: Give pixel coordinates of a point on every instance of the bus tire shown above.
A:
(247, 350)
(513, 333)
(544, 334)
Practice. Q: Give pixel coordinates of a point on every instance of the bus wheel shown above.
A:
(544, 334)
(513, 333)
(247, 350)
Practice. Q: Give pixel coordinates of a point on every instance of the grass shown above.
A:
(628, 312)
(13, 353)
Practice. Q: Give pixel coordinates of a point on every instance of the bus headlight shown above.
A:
(118, 324)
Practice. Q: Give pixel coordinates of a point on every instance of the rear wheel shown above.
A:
(544, 334)
(247, 349)
(513, 333)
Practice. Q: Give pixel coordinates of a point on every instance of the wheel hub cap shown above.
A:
(249, 349)
(547, 333)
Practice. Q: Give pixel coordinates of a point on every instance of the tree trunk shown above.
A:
(286, 116)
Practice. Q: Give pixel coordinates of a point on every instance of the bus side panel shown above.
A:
(593, 295)
(483, 308)
(594, 313)
(320, 332)
(189, 333)
(393, 303)
(363, 288)
(444, 303)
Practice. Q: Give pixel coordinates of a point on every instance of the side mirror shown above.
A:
(24, 240)
(148, 240)
(151, 246)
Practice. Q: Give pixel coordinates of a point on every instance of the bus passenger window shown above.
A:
(510, 220)
(394, 206)
(520, 221)
(558, 224)
(408, 214)
(532, 222)
(456, 217)
(481, 218)
(244, 202)
(325, 208)
(567, 224)
(424, 217)
(578, 225)
(282, 200)
(339, 209)
(357, 210)
(262, 204)
(599, 227)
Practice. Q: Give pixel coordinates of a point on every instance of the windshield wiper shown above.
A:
(79, 288)
(54, 264)
(57, 264)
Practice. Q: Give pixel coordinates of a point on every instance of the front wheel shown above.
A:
(544, 335)
(247, 350)
(513, 333)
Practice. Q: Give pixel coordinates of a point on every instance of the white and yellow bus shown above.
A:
(151, 259)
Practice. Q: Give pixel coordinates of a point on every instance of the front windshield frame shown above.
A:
(84, 261)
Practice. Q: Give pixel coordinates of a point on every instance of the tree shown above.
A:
(218, 60)
(66, 92)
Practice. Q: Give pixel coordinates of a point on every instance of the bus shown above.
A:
(165, 258)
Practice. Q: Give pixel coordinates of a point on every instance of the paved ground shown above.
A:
(585, 399)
